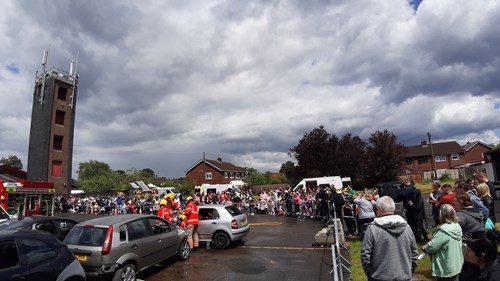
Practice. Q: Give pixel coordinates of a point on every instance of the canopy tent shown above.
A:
(77, 191)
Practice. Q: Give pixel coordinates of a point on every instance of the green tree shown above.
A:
(288, 169)
(495, 145)
(312, 153)
(12, 161)
(255, 178)
(148, 173)
(351, 156)
(385, 156)
(97, 177)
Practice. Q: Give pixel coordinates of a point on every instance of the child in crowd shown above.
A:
(349, 217)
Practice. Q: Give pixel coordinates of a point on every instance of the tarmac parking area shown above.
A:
(277, 248)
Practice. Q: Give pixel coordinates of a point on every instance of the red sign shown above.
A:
(37, 184)
(34, 190)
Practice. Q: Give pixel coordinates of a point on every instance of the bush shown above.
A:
(445, 177)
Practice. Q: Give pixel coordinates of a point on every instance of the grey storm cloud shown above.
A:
(162, 82)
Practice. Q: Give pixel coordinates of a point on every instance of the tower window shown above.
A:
(60, 117)
(57, 168)
(58, 142)
(62, 93)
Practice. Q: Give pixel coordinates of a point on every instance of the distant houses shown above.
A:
(449, 158)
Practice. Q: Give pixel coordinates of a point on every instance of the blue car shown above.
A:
(36, 255)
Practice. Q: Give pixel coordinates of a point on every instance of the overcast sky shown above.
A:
(161, 82)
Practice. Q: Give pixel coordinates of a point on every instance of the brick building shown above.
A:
(214, 172)
(50, 153)
(449, 157)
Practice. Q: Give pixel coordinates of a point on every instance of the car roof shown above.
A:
(37, 218)
(212, 206)
(111, 220)
(24, 233)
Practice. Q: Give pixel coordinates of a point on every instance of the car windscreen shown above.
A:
(173, 190)
(89, 236)
(233, 211)
(24, 223)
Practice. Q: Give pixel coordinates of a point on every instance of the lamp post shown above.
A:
(433, 161)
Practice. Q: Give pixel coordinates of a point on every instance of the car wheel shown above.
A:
(221, 240)
(183, 251)
(125, 273)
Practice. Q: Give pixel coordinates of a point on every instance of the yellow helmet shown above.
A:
(189, 198)
(163, 202)
(182, 217)
(170, 196)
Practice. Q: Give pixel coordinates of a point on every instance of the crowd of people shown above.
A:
(462, 245)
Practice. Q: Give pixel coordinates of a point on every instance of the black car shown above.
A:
(58, 227)
(35, 255)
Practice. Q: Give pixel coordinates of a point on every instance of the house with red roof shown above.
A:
(214, 172)
(449, 157)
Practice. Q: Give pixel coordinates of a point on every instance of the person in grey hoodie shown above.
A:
(389, 250)
(463, 186)
(470, 218)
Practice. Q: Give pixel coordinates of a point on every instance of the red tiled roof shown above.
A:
(225, 166)
(219, 165)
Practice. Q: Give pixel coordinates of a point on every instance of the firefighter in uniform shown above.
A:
(171, 207)
(191, 213)
(163, 212)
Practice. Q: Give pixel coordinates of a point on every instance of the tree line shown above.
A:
(320, 153)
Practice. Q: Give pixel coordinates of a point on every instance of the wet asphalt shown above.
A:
(276, 248)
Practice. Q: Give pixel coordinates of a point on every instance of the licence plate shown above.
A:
(243, 222)
(81, 257)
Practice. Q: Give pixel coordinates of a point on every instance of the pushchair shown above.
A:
(262, 207)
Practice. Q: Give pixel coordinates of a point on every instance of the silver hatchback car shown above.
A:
(121, 246)
(221, 224)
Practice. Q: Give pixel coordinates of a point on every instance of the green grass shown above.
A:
(423, 269)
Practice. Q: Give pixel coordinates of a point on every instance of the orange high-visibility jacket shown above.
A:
(163, 213)
(191, 213)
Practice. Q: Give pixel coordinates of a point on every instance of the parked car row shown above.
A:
(107, 247)
(36, 255)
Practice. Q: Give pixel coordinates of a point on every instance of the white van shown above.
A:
(162, 191)
(216, 188)
(323, 182)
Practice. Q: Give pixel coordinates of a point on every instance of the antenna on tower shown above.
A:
(44, 70)
(44, 59)
(72, 73)
(71, 68)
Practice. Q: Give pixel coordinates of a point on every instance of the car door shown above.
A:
(209, 220)
(141, 242)
(39, 259)
(166, 237)
(10, 266)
